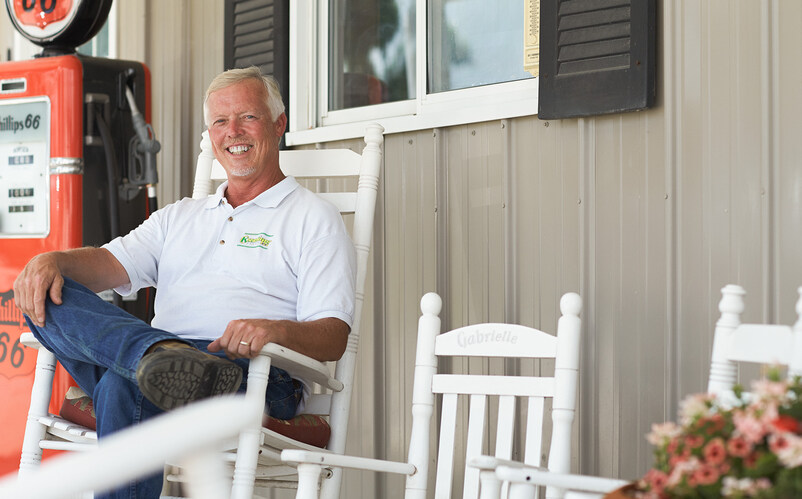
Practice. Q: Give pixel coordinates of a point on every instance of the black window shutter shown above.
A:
(257, 34)
(596, 57)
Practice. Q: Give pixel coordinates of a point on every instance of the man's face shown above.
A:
(244, 136)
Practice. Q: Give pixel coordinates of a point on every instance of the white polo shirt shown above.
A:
(283, 255)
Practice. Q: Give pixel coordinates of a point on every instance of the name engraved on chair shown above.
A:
(486, 336)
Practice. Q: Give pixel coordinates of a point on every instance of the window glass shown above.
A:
(371, 52)
(98, 46)
(474, 42)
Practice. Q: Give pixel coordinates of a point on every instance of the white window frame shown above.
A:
(310, 122)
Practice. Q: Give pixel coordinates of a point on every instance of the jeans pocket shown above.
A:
(283, 408)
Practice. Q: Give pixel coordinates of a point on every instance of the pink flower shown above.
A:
(705, 475)
(716, 423)
(694, 441)
(778, 443)
(739, 446)
(656, 480)
(695, 406)
(662, 433)
(675, 459)
(764, 388)
(788, 448)
(681, 470)
(768, 414)
(715, 452)
(762, 484)
(751, 428)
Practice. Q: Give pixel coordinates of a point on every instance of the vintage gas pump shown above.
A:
(77, 167)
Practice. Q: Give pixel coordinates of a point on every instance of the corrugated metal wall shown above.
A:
(646, 214)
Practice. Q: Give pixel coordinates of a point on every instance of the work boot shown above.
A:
(172, 374)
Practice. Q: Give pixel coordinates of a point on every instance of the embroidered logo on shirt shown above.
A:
(252, 240)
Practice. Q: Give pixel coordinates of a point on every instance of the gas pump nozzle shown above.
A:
(143, 130)
(147, 146)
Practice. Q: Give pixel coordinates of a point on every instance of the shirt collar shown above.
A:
(270, 198)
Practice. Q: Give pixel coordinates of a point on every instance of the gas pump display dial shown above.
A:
(58, 23)
(24, 167)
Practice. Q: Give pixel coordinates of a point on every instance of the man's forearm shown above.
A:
(322, 339)
(95, 268)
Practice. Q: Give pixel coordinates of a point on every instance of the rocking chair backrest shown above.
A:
(511, 392)
(768, 344)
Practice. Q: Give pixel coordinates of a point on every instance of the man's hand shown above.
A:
(245, 338)
(40, 278)
(323, 339)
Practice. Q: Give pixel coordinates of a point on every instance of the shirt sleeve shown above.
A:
(139, 252)
(327, 277)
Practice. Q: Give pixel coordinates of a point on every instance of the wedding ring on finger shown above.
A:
(244, 343)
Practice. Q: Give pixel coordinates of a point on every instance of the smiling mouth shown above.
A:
(236, 150)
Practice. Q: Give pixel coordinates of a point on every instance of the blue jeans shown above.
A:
(100, 345)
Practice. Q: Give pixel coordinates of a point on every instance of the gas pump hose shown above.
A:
(111, 174)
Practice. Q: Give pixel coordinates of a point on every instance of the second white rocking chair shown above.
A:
(482, 392)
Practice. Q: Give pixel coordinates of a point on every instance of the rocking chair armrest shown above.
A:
(29, 340)
(298, 456)
(307, 368)
(539, 476)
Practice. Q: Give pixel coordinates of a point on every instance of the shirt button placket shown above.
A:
(223, 241)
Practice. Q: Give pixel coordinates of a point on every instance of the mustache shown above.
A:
(238, 140)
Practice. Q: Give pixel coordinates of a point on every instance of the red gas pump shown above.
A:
(77, 167)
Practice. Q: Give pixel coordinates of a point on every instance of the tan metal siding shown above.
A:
(784, 154)
(409, 254)
(626, 240)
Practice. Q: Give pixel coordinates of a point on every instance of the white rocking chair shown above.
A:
(258, 447)
(480, 340)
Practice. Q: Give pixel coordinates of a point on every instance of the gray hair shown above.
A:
(233, 76)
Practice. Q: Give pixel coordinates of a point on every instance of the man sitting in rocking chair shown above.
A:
(262, 260)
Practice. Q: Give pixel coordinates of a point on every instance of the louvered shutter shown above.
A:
(257, 34)
(596, 57)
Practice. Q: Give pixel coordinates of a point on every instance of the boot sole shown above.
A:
(175, 378)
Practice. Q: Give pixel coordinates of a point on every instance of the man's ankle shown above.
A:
(167, 344)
